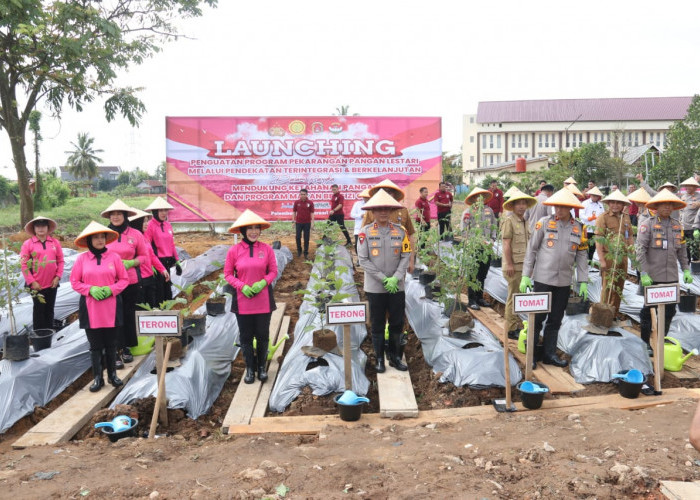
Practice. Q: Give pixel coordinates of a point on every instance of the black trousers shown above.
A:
(101, 338)
(481, 274)
(254, 326)
(444, 222)
(422, 228)
(339, 218)
(645, 318)
(127, 333)
(148, 292)
(42, 314)
(634, 220)
(591, 245)
(560, 297)
(164, 289)
(381, 304)
(303, 228)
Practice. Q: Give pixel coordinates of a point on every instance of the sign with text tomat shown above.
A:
(164, 323)
(532, 302)
(344, 313)
(661, 294)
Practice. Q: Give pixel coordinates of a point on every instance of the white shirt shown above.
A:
(357, 213)
(591, 208)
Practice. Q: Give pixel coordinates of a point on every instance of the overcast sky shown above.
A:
(390, 58)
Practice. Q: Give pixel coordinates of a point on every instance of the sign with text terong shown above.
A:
(219, 166)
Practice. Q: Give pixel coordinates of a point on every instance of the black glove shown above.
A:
(178, 269)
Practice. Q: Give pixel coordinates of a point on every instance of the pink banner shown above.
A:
(219, 166)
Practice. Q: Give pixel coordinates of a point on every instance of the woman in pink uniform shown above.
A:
(41, 258)
(131, 247)
(250, 268)
(99, 277)
(159, 234)
(151, 268)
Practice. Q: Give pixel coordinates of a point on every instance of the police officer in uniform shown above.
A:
(515, 234)
(613, 223)
(540, 209)
(558, 241)
(660, 246)
(384, 250)
(690, 220)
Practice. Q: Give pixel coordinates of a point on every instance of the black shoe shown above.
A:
(127, 357)
(553, 359)
(118, 363)
(474, 305)
(114, 380)
(262, 374)
(298, 253)
(514, 334)
(97, 384)
(380, 365)
(534, 364)
(650, 351)
(395, 362)
(483, 303)
(249, 376)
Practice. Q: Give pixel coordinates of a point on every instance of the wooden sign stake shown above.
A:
(347, 355)
(160, 398)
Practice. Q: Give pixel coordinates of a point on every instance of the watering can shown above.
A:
(350, 398)
(673, 355)
(118, 424)
(522, 338)
(528, 386)
(271, 348)
(630, 376)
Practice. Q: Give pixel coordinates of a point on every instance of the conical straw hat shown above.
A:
(160, 204)
(573, 189)
(248, 218)
(595, 192)
(95, 228)
(118, 206)
(511, 191)
(508, 205)
(139, 214)
(690, 181)
(617, 196)
(382, 200)
(639, 196)
(563, 198)
(29, 226)
(666, 196)
(475, 193)
(387, 184)
(364, 194)
(668, 185)
(570, 180)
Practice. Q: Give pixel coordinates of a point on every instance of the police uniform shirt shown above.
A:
(689, 215)
(608, 225)
(517, 231)
(660, 246)
(486, 221)
(553, 248)
(383, 252)
(540, 210)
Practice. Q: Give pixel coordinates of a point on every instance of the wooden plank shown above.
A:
(680, 490)
(396, 396)
(66, 420)
(274, 367)
(557, 379)
(246, 396)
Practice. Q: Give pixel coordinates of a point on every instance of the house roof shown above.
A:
(100, 168)
(635, 153)
(585, 110)
(153, 183)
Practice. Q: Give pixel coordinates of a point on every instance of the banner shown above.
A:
(219, 166)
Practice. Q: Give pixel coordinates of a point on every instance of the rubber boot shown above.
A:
(111, 355)
(395, 357)
(249, 359)
(96, 358)
(549, 356)
(261, 356)
(378, 343)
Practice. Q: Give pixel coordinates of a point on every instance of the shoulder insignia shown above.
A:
(643, 229)
(538, 225)
(361, 237)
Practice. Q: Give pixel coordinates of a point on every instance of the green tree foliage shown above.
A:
(60, 52)
(54, 192)
(160, 171)
(590, 161)
(82, 160)
(452, 168)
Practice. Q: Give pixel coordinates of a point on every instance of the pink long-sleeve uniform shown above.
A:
(41, 262)
(109, 272)
(152, 261)
(128, 246)
(161, 235)
(241, 269)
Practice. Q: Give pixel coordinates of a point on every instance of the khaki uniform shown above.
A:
(611, 226)
(660, 247)
(400, 217)
(518, 231)
(552, 250)
(689, 215)
(383, 252)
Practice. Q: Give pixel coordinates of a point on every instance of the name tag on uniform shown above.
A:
(664, 244)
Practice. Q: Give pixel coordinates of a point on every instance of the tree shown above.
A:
(344, 110)
(61, 51)
(452, 168)
(161, 170)
(682, 155)
(35, 127)
(82, 161)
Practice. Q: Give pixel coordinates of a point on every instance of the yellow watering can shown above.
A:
(673, 355)
(272, 347)
(522, 338)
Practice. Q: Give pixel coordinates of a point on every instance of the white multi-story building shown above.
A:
(502, 131)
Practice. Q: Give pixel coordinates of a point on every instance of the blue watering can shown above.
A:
(528, 386)
(118, 424)
(631, 376)
(350, 398)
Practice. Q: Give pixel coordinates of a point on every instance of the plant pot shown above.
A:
(348, 413)
(16, 347)
(577, 305)
(116, 436)
(695, 267)
(431, 291)
(602, 315)
(41, 338)
(216, 307)
(688, 303)
(276, 245)
(628, 389)
(532, 400)
(194, 326)
(496, 262)
(416, 273)
(426, 277)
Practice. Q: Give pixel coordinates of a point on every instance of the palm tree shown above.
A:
(82, 161)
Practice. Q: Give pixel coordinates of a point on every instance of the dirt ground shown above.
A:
(553, 454)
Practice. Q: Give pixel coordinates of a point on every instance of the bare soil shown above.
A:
(553, 454)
